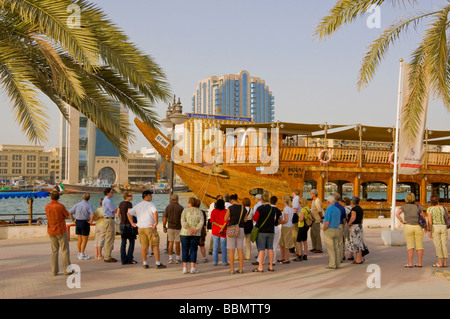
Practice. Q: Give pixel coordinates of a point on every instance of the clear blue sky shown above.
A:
(313, 81)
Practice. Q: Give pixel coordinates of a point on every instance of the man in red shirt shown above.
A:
(56, 229)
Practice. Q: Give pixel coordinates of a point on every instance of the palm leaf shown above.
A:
(437, 49)
(379, 47)
(16, 80)
(51, 17)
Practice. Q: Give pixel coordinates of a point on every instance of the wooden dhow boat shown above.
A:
(309, 154)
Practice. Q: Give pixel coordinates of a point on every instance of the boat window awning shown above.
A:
(7, 195)
(369, 133)
(340, 132)
(286, 128)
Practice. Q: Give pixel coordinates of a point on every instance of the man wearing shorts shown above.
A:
(172, 225)
(147, 221)
(83, 212)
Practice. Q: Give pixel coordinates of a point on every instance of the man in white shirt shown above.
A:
(147, 221)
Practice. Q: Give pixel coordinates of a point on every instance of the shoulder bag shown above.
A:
(422, 221)
(255, 231)
(233, 230)
(446, 217)
(248, 225)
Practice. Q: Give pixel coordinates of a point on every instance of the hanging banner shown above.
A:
(411, 153)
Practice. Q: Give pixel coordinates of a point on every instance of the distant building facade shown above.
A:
(141, 168)
(86, 153)
(235, 95)
(30, 162)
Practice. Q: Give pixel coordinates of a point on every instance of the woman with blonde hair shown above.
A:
(437, 228)
(302, 236)
(286, 239)
(412, 230)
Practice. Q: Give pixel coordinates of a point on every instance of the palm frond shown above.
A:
(345, 12)
(51, 17)
(16, 80)
(125, 58)
(379, 47)
(437, 49)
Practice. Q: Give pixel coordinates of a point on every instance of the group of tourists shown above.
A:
(235, 224)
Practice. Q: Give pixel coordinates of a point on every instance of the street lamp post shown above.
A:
(174, 116)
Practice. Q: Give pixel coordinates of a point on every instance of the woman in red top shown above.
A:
(219, 232)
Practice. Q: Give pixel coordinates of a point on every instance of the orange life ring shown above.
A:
(329, 156)
(391, 158)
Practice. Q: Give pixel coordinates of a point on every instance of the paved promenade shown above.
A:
(25, 274)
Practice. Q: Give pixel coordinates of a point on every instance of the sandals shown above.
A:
(257, 270)
(270, 269)
(437, 265)
(407, 266)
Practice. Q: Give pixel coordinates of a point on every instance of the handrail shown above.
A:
(352, 155)
(256, 154)
(11, 219)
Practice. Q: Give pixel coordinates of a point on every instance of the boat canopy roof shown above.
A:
(341, 132)
(7, 195)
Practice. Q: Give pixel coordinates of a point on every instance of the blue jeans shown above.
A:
(189, 247)
(223, 246)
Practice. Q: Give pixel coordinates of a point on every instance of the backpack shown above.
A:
(309, 219)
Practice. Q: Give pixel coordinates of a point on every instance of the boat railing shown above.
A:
(22, 219)
(258, 154)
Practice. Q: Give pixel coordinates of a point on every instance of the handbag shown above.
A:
(233, 230)
(248, 225)
(255, 231)
(446, 217)
(422, 221)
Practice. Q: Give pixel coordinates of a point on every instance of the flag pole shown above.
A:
(394, 178)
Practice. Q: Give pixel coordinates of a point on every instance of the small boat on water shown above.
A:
(87, 188)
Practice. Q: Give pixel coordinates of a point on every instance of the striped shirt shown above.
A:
(56, 218)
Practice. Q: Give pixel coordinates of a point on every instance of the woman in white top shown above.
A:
(286, 239)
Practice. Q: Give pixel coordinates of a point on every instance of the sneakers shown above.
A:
(146, 266)
(83, 256)
(205, 260)
(170, 261)
(161, 266)
(177, 261)
(194, 271)
(185, 271)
